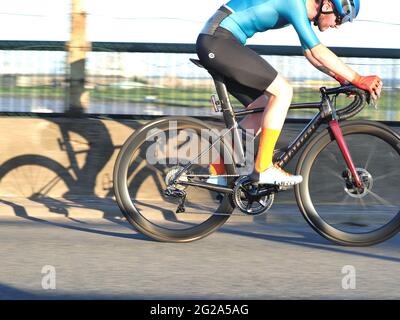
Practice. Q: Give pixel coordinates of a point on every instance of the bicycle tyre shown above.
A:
(130, 211)
(302, 191)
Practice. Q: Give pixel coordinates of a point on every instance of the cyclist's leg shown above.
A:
(256, 84)
(221, 53)
(251, 99)
(273, 119)
(246, 81)
(281, 94)
(249, 126)
(276, 100)
(246, 96)
(254, 121)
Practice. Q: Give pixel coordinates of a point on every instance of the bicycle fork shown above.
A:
(338, 134)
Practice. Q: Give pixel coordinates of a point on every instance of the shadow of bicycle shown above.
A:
(70, 175)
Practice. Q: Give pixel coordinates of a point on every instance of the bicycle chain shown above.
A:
(239, 213)
(209, 175)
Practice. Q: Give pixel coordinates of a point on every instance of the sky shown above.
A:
(175, 21)
(179, 21)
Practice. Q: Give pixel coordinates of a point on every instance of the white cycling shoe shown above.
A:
(277, 176)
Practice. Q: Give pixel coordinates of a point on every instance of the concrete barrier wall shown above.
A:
(59, 157)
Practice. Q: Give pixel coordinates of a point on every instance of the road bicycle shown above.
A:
(350, 170)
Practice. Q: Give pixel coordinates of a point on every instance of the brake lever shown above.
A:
(373, 102)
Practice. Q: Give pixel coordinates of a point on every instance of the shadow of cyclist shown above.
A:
(100, 151)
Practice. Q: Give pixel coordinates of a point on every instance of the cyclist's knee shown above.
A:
(281, 88)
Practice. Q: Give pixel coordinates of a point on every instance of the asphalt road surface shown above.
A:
(64, 258)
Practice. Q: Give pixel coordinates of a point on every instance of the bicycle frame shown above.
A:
(326, 114)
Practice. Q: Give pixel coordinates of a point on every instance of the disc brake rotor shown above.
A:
(351, 189)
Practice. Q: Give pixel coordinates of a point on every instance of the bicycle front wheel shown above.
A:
(331, 203)
(148, 161)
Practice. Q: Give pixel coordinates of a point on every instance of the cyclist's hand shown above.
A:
(373, 84)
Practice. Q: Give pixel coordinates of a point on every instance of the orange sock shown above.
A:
(268, 139)
(217, 167)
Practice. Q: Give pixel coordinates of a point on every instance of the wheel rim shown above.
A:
(163, 221)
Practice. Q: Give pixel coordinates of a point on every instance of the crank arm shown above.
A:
(269, 190)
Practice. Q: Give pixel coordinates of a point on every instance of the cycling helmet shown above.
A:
(347, 9)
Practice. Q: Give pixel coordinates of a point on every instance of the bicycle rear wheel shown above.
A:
(148, 159)
(329, 201)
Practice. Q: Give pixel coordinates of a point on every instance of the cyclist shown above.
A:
(255, 83)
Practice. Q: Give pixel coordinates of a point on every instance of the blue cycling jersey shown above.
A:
(251, 16)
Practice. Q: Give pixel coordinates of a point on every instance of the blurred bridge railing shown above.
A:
(158, 79)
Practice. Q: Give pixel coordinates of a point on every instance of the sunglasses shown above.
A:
(339, 18)
(342, 19)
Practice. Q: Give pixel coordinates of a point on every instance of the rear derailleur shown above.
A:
(174, 189)
(174, 192)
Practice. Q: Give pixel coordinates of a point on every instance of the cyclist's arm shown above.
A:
(316, 63)
(323, 58)
(319, 55)
(326, 60)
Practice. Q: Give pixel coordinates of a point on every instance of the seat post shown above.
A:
(229, 118)
(223, 96)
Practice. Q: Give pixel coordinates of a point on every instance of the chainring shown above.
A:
(245, 199)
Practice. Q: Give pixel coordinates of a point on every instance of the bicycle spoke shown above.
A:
(370, 154)
(326, 187)
(381, 200)
(385, 176)
(332, 157)
(334, 174)
(139, 160)
(362, 202)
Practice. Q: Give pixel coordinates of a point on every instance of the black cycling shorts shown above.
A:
(247, 75)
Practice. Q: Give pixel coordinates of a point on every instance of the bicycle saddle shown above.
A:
(197, 63)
